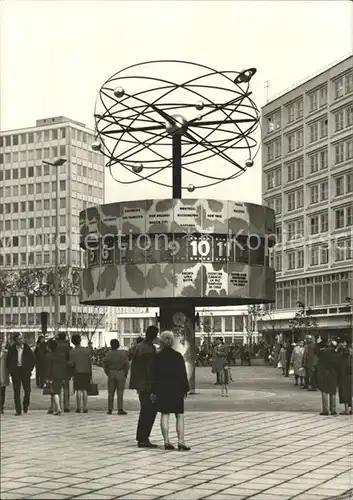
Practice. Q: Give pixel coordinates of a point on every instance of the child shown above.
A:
(225, 380)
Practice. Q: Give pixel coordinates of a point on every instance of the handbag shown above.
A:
(279, 364)
(92, 389)
(291, 371)
(47, 389)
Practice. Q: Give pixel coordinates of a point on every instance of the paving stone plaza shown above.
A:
(236, 453)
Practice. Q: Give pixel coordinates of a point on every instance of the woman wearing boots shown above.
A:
(297, 361)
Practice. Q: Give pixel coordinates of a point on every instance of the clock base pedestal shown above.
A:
(178, 316)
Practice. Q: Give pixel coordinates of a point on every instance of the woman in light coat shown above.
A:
(4, 374)
(296, 363)
(282, 359)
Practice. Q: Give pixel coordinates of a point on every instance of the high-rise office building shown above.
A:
(28, 217)
(307, 163)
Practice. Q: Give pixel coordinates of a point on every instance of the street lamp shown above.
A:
(57, 163)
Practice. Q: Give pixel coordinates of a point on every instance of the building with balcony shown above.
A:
(307, 164)
(28, 217)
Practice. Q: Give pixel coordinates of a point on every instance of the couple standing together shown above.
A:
(162, 385)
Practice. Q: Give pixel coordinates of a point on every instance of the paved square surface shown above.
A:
(242, 455)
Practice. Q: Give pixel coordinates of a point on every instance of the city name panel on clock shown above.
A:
(150, 250)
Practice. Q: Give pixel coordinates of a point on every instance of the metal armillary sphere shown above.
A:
(147, 124)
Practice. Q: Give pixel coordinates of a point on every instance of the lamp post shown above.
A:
(57, 163)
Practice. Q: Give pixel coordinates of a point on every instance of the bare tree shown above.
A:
(303, 323)
(88, 322)
(207, 328)
(267, 322)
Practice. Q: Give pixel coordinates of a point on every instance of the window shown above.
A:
(273, 178)
(349, 221)
(323, 159)
(38, 205)
(323, 96)
(313, 132)
(30, 138)
(291, 260)
(23, 173)
(349, 150)
(54, 134)
(324, 223)
(313, 101)
(299, 139)
(349, 83)
(323, 128)
(300, 198)
(339, 186)
(300, 258)
(62, 150)
(62, 185)
(314, 193)
(300, 168)
(46, 135)
(273, 122)
(349, 179)
(62, 202)
(339, 153)
(279, 234)
(291, 172)
(340, 250)
(339, 120)
(291, 201)
(314, 225)
(338, 87)
(30, 172)
(30, 188)
(349, 116)
(314, 163)
(38, 188)
(323, 255)
(323, 191)
(291, 142)
(62, 133)
(314, 256)
(339, 218)
(278, 206)
(290, 113)
(299, 108)
(291, 231)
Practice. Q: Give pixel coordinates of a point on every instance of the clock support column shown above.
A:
(178, 316)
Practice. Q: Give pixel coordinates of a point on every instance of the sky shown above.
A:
(55, 55)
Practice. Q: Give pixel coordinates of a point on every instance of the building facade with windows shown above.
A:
(231, 323)
(28, 214)
(307, 163)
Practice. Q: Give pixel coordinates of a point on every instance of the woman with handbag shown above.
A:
(296, 363)
(56, 375)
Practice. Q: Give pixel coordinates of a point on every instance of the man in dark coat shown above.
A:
(40, 353)
(141, 380)
(328, 370)
(20, 364)
(309, 364)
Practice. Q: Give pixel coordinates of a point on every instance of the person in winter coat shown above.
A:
(296, 363)
(345, 388)
(170, 387)
(56, 374)
(219, 359)
(282, 359)
(20, 363)
(328, 369)
(4, 374)
(309, 364)
(40, 353)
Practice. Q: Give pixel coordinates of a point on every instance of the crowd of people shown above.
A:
(317, 364)
(159, 375)
(160, 379)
